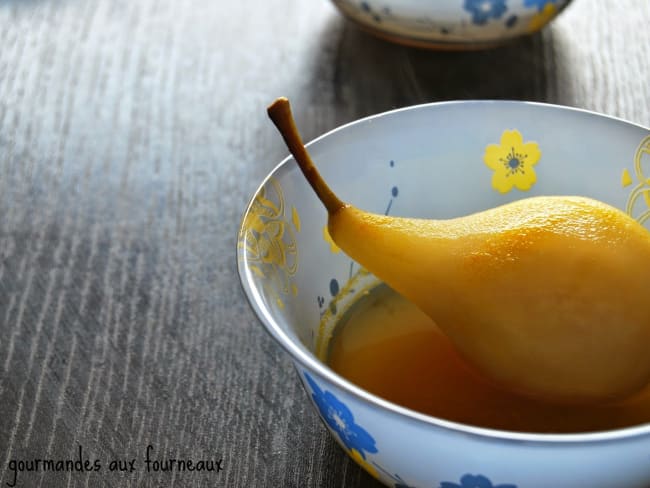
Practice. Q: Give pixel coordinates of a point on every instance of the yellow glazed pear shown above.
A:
(546, 296)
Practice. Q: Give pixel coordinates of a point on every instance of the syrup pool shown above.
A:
(390, 348)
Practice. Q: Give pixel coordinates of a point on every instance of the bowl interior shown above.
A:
(434, 161)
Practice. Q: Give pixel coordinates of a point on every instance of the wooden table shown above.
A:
(132, 134)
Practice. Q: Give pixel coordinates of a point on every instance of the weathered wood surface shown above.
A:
(131, 136)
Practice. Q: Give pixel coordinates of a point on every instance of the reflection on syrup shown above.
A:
(390, 348)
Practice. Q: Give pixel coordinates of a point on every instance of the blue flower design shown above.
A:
(472, 481)
(484, 10)
(540, 4)
(340, 419)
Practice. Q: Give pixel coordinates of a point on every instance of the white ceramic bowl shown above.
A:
(428, 161)
(451, 24)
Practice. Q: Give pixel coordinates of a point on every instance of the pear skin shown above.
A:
(545, 296)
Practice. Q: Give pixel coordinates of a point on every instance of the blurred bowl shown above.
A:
(428, 161)
(451, 24)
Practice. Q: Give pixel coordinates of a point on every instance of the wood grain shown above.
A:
(131, 136)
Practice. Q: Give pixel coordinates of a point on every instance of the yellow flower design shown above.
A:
(334, 249)
(638, 203)
(354, 454)
(512, 162)
(270, 242)
(542, 18)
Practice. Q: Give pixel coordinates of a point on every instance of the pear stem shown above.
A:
(280, 113)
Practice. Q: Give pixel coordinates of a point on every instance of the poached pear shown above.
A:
(545, 296)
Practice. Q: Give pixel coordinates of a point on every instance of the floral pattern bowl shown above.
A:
(451, 24)
(437, 160)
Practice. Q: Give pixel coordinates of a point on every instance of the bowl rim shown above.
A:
(308, 360)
